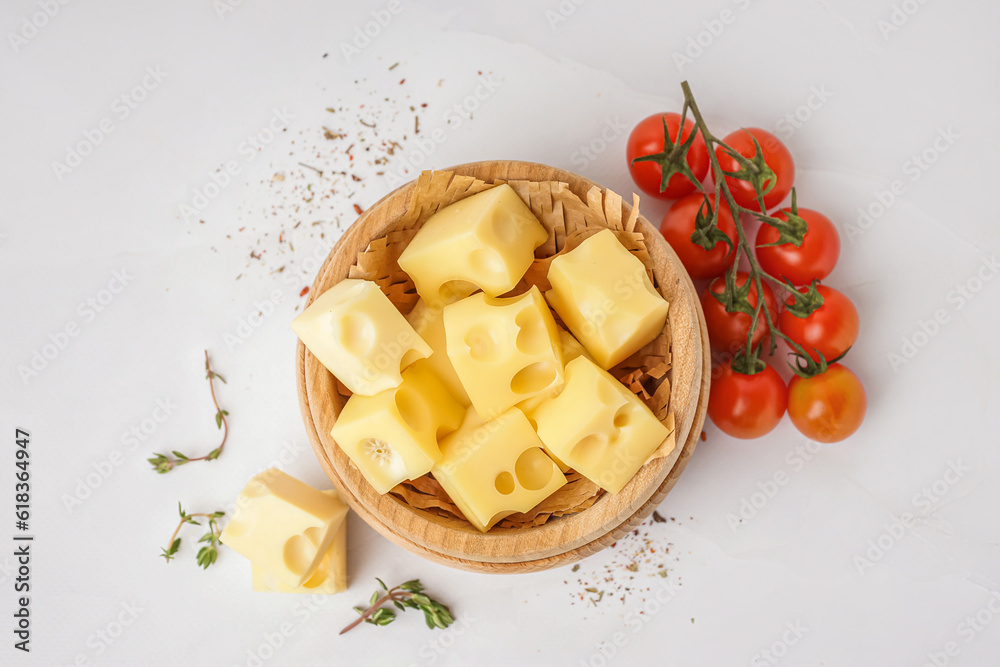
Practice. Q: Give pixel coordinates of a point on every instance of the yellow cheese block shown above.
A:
(486, 241)
(330, 576)
(356, 332)
(493, 469)
(603, 294)
(393, 436)
(284, 526)
(571, 349)
(504, 349)
(428, 322)
(598, 427)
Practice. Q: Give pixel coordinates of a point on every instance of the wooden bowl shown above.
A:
(561, 540)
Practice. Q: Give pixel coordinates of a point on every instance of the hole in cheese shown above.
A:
(379, 451)
(504, 483)
(622, 417)
(533, 378)
(482, 342)
(533, 469)
(357, 334)
(487, 260)
(589, 450)
(319, 576)
(412, 409)
(298, 554)
(235, 527)
(453, 290)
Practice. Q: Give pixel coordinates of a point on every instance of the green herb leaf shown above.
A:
(803, 303)
(673, 158)
(791, 229)
(754, 169)
(207, 556)
(408, 595)
(706, 232)
(736, 299)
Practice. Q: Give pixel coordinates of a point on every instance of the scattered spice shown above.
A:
(358, 209)
(318, 171)
(305, 290)
(632, 567)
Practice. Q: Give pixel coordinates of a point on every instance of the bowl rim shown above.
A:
(561, 541)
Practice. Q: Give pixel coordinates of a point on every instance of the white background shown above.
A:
(549, 89)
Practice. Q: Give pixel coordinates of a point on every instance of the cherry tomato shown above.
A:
(647, 139)
(776, 156)
(832, 328)
(747, 406)
(827, 407)
(728, 331)
(813, 260)
(678, 225)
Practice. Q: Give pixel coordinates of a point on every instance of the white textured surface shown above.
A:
(555, 88)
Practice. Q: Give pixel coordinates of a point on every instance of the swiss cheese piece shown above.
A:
(393, 436)
(428, 322)
(284, 526)
(330, 576)
(598, 427)
(504, 349)
(486, 241)
(493, 469)
(356, 332)
(603, 294)
(571, 349)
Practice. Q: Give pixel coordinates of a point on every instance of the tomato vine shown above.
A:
(755, 171)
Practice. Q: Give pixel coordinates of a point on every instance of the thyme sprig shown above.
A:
(209, 553)
(163, 464)
(408, 595)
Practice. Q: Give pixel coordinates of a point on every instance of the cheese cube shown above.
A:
(284, 526)
(393, 436)
(428, 322)
(486, 241)
(330, 576)
(598, 427)
(504, 350)
(571, 349)
(356, 332)
(493, 469)
(603, 294)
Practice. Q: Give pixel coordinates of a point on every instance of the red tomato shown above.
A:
(677, 227)
(832, 328)
(813, 260)
(647, 139)
(776, 156)
(747, 406)
(827, 407)
(728, 331)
